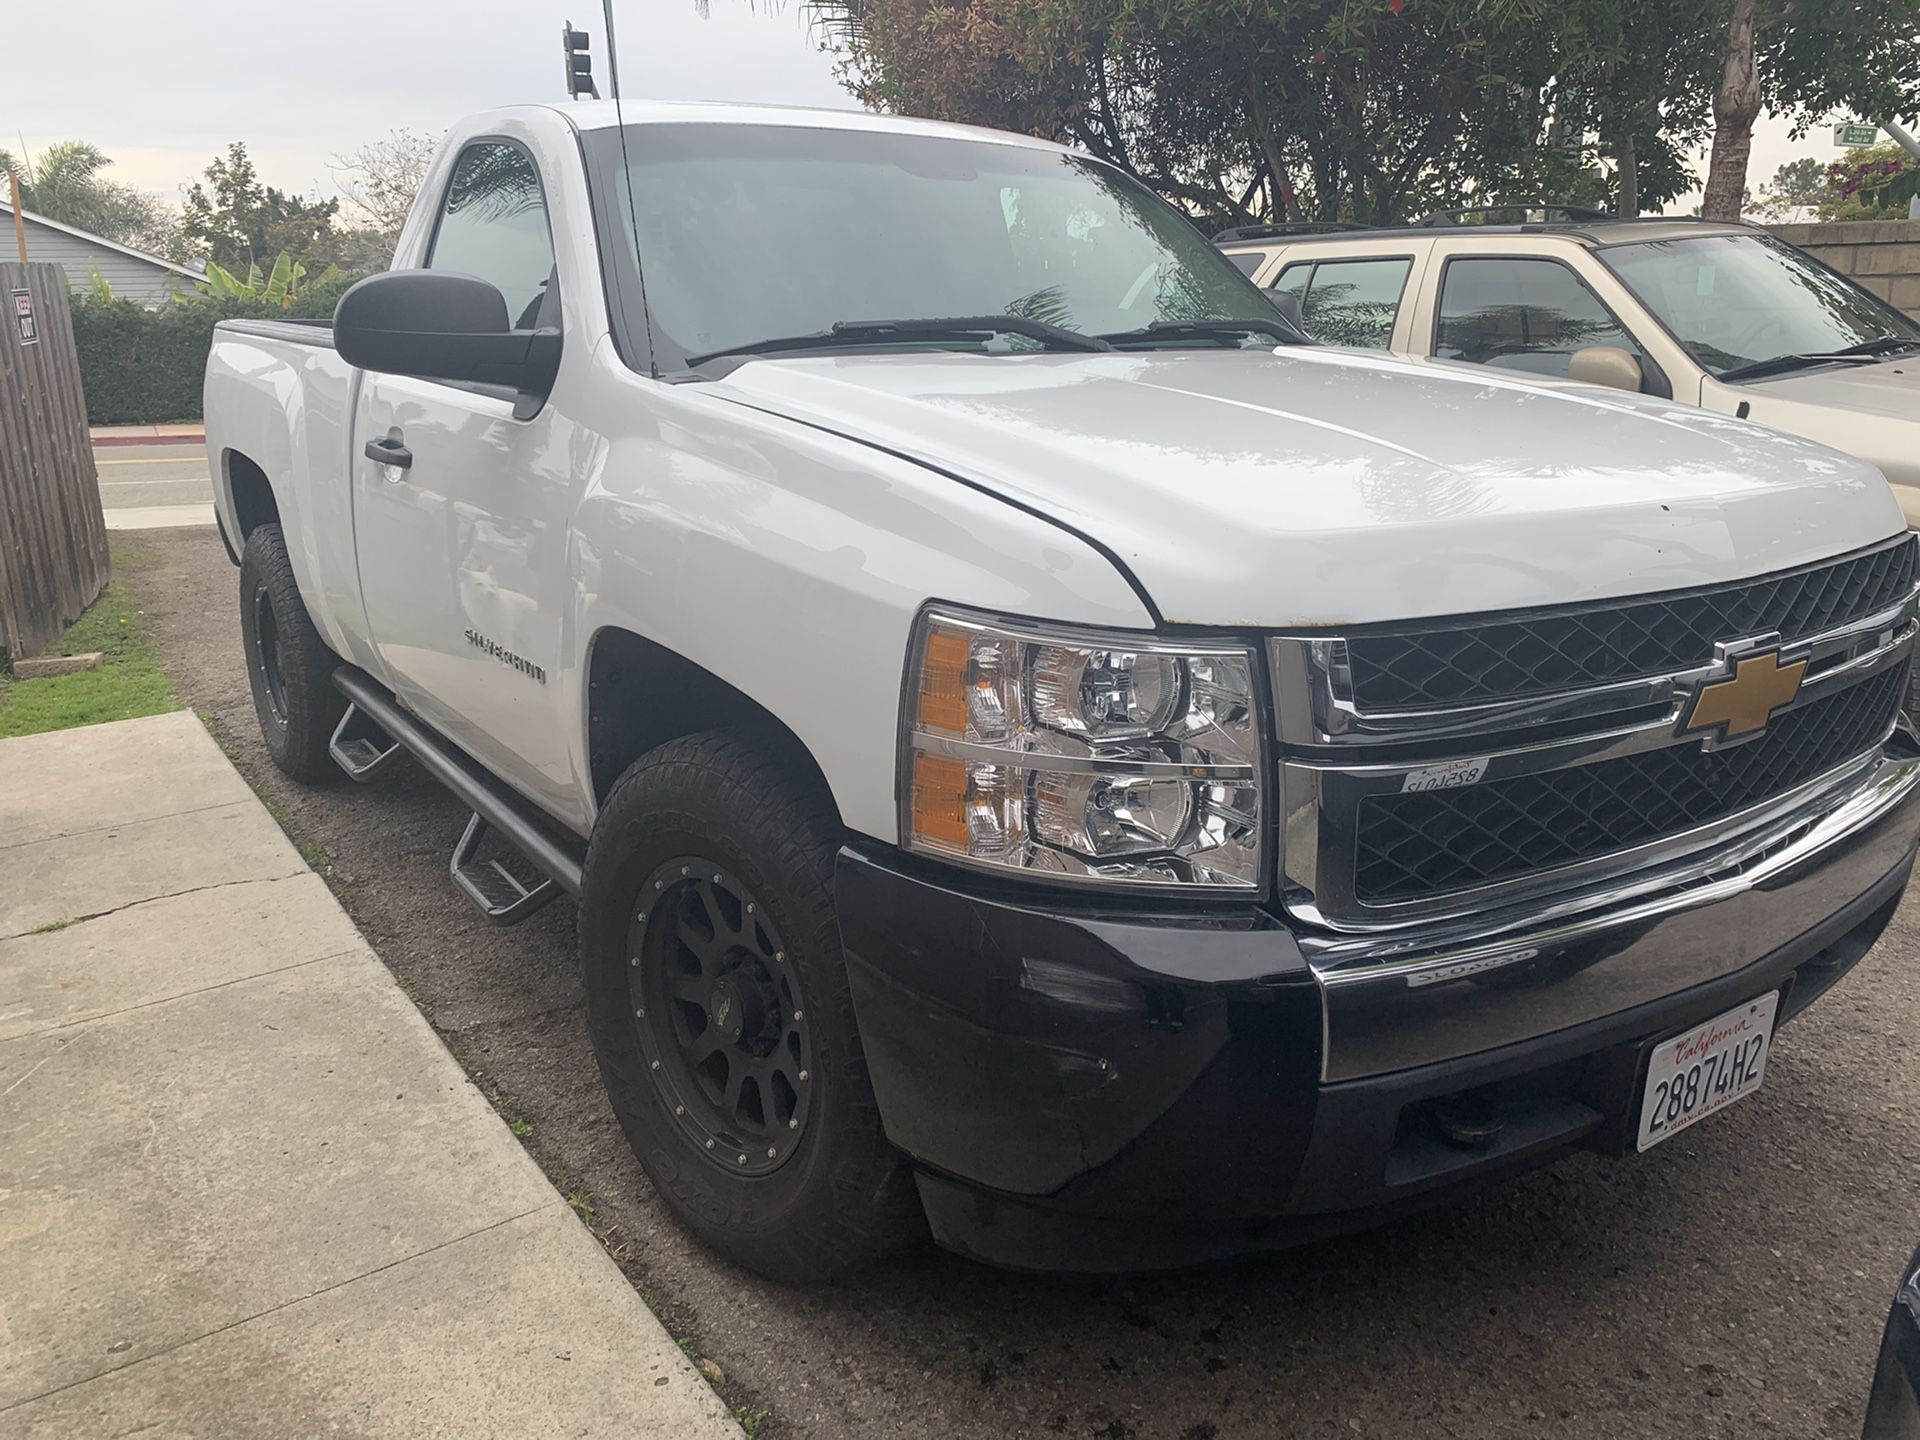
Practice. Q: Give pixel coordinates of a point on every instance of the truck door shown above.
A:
(461, 510)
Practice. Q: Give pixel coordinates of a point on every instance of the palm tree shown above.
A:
(64, 183)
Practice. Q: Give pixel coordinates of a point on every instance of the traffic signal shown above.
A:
(579, 62)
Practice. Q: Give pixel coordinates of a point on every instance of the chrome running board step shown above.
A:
(549, 849)
(501, 895)
(360, 747)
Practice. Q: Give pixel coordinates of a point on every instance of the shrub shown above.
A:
(1871, 183)
(143, 366)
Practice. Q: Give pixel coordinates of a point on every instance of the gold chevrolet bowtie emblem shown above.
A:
(1741, 704)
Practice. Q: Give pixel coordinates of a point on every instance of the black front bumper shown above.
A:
(1095, 1088)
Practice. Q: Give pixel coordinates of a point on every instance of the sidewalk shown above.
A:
(191, 433)
(244, 1189)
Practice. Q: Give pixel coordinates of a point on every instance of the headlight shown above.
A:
(1082, 756)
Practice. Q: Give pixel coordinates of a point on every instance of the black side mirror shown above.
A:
(440, 326)
(1287, 302)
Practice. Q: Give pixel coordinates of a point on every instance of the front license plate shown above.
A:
(1706, 1069)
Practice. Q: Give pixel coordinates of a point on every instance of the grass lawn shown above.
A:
(128, 683)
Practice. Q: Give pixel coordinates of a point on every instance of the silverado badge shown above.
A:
(1738, 705)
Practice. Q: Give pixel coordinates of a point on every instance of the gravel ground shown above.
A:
(1731, 1283)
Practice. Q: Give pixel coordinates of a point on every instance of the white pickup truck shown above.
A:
(1039, 754)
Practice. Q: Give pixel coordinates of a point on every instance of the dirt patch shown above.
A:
(1733, 1282)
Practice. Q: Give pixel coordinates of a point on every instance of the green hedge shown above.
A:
(143, 367)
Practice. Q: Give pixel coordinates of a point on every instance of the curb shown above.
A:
(99, 441)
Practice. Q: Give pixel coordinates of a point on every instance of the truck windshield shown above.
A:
(1741, 301)
(748, 232)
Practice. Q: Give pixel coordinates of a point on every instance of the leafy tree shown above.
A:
(1294, 109)
(1797, 187)
(1372, 110)
(65, 184)
(1635, 73)
(1806, 59)
(381, 181)
(243, 219)
(1872, 182)
(1252, 110)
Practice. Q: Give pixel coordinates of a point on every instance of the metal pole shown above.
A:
(1904, 139)
(613, 54)
(19, 225)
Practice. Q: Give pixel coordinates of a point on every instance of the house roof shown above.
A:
(101, 240)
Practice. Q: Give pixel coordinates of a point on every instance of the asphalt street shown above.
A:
(144, 486)
(1731, 1283)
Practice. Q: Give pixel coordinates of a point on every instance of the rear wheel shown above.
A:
(289, 667)
(721, 1015)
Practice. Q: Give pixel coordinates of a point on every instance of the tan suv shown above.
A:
(1723, 316)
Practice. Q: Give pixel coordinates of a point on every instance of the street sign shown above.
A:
(1852, 137)
(23, 318)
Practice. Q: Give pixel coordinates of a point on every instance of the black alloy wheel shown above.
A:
(266, 654)
(721, 1011)
(721, 1018)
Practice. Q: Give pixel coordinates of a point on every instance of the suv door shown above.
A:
(1525, 303)
(1521, 313)
(1357, 294)
(463, 551)
(1352, 302)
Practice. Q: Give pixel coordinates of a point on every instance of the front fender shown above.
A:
(791, 563)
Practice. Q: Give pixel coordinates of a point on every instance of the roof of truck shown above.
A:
(605, 114)
(1594, 231)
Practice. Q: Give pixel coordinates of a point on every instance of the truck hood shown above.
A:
(1872, 411)
(1887, 389)
(1310, 487)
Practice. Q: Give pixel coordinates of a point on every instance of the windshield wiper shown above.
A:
(1864, 353)
(914, 332)
(1210, 329)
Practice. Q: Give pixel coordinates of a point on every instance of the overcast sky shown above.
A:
(164, 87)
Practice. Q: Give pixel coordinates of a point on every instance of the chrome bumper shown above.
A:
(1392, 1002)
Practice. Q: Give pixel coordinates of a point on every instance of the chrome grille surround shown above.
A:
(1335, 754)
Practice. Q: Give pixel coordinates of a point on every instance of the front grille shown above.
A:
(1426, 843)
(1569, 649)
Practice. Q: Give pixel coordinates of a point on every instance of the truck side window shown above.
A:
(494, 226)
(1515, 314)
(1348, 302)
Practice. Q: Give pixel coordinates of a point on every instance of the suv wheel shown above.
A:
(289, 666)
(720, 1012)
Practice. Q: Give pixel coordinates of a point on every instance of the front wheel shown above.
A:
(289, 666)
(721, 1016)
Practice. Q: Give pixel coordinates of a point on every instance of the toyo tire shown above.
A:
(721, 1018)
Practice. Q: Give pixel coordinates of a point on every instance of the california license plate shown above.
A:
(1706, 1069)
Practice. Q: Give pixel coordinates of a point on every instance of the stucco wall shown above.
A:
(1882, 255)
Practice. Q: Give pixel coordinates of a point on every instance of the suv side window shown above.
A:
(1519, 314)
(1247, 261)
(1348, 302)
(493, 225)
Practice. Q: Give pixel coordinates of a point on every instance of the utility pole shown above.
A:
(19, 224)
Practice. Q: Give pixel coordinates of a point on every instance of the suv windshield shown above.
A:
(748, 232)
(1738, 300)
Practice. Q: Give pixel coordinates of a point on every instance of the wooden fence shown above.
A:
(53, 540)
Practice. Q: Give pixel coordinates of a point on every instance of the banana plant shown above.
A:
(281, 286)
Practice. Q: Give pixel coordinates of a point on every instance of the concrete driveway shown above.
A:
(244, 1190)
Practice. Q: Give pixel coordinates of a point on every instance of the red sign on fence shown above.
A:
(23, 317)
